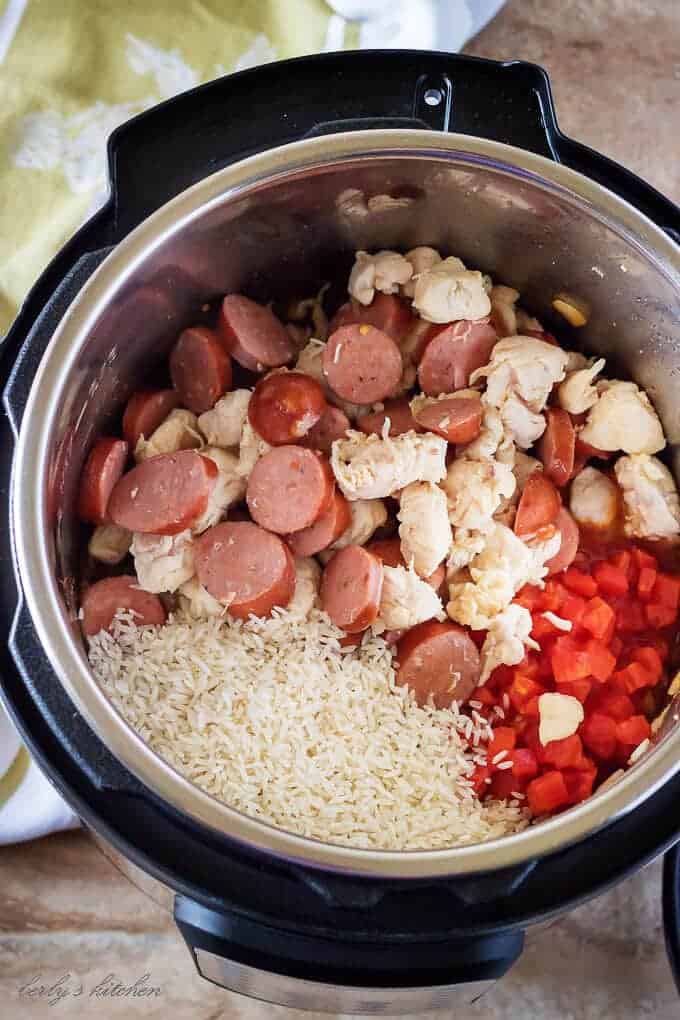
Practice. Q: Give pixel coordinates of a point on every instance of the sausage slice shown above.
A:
(388, 551)
(289, 488)
(399, 413)
(283, 408)
(557, 446)
(165, 494)
(326, 530)
(438, 660)
(386, 312)
(200, 369)
(456, 419)
(453, 353)
(362, 364)
(351, 587)
(333, 424)
(145, 411)
(245, 568)
(102, 600)
(538, 506)
(253, 335)
(565, 556)
(103, 468)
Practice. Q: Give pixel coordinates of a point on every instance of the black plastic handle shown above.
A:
(671, 909)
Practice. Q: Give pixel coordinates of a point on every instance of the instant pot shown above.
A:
(266, 182)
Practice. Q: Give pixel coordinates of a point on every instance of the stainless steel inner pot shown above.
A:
(279, 224)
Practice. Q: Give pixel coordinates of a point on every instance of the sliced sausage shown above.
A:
(584, 451)
(145, 411)
(437, 578)
(165, 494)
(245, 568)
(362, 364)
(453, 353)
(200, 369)
(253, 335)
(568, 529)
(351, 587)
(386, 312)
(399, 413)
(325, 531)
(557, 446)
(103, 468)
(438, 660)
(458, 419)
(283, 408)
(538, 505)
(102, 600)
(289, 488)
(333, 424)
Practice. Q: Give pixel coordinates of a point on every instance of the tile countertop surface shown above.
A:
(64, 910)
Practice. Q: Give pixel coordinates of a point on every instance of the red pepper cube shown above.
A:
(648, 657)
(632, 677)
(531, 709)
(616, 646)
(504, 784)
(579, 689)
(530, 597)
(610, 580)
(601, 662)
(615, 703)
(598, 732)
(667, 591)
(579, 783)
(573, 609)
(569, 661)
(542, 628)
(659, 615)
(563, 754)
(552, 596)
(631, 617)
(599, 619)
(524, 764)
(478, 779)
(484, 696)
(646, 583)
(643, 559)
(633, 731)
(547, 793)
(502, 739)
(579, 583)
(622, 560)
(523, 688)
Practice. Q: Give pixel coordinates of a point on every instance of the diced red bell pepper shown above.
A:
(631, 618)
(601, 662)
(667, 591)
(649, 657)
(633, 731)
(531, 709)
(563, 754)
(598, 732)
(542, 628)
(504, 784)
(524, 764)
(530, 597)
(622, 560)
(579, 689)
(502, 739)
(610, 580)
(632, 678)
(599, 618)
(614, 703)
(645, 585)
(579, 783)
(573, 609)
(523, 688)
(643, 558)
(478, 779)
(659, 615)
(569, 661)
(546, 793)
(616, 646)
(484, 696)
(552, 596)
(579, 583)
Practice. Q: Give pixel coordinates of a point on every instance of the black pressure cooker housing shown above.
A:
(232, 901)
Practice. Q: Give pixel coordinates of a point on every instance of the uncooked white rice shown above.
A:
(276, 719)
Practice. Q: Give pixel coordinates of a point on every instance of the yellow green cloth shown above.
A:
(72, 70)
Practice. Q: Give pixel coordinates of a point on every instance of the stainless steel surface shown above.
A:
(297, 993)
(276, 224)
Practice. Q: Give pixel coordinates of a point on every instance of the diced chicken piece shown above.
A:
(307, 581)
(623, 419)
(372, 467)
(523, 467)
(310, 362)
(109, 543)
(474, 489)
(229, 488)
(367, 516)
(650, 497)
(251, 448)
(560, 715)
(491, 437)
(421, 259)
(163, 562)
(525, 367)
(503, 314)
(406, 600)
(385, 271)
(577, 393)
(312, 308)
(223, 425)
(496, 574)
(197, 602)
(179, 431)
(448, 292)
(505, 640)
(424, 528)
(520, 423)
(593, 499)
(466, 545)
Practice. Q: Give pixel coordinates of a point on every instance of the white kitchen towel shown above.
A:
(29, 805)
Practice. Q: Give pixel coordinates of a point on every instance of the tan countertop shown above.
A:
(68, 918)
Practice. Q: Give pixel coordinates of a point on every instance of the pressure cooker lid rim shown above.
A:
(28, 512)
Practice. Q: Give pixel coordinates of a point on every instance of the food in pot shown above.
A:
(411, 582)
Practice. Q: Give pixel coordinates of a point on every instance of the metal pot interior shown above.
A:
(277, 226)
